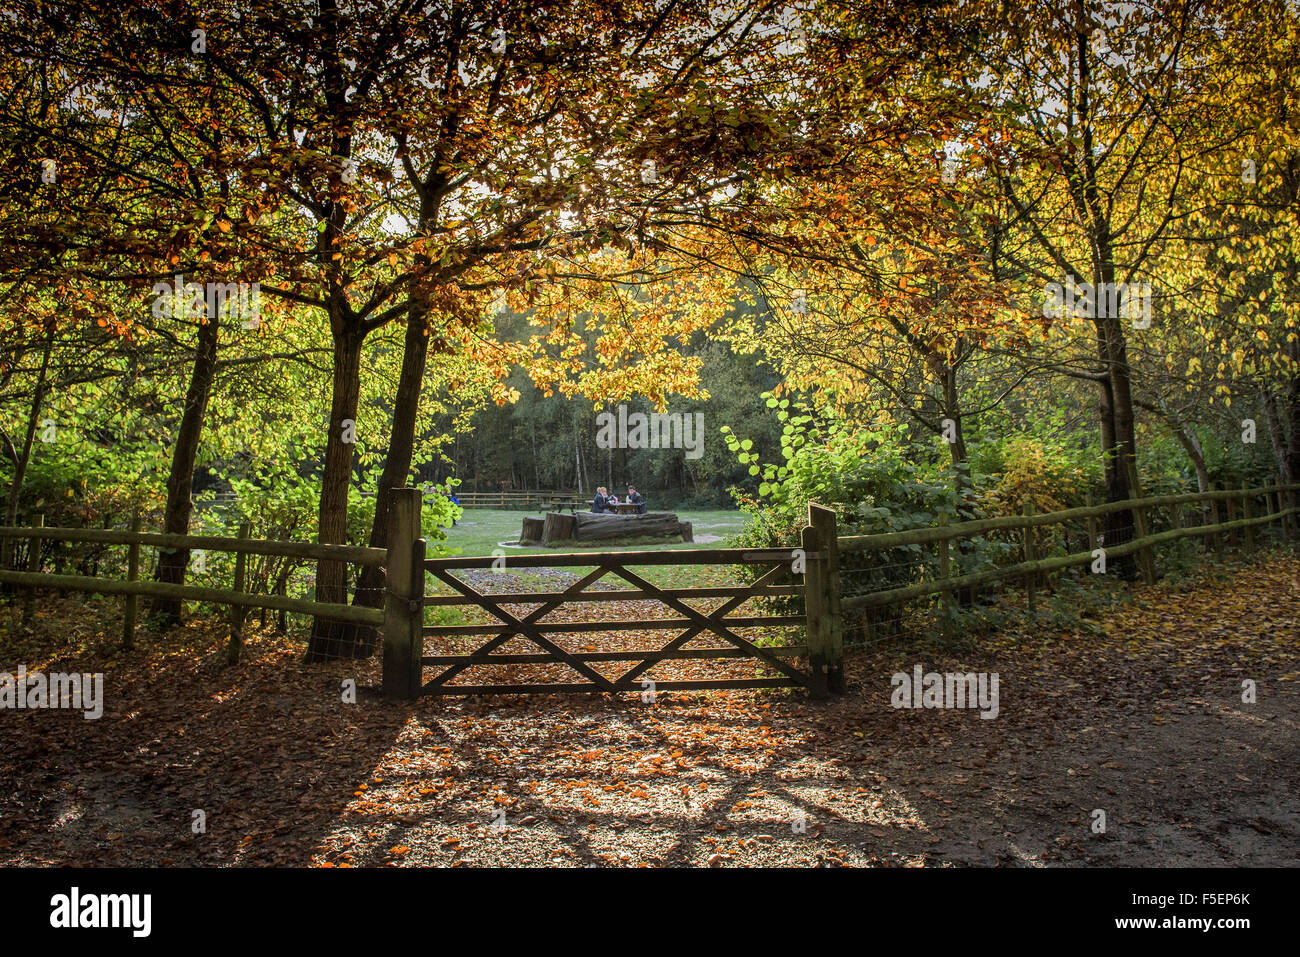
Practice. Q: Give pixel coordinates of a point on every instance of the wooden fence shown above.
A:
(1258, 507)
(811, 572)
(132, 588)
(511, 500)
(405, 630)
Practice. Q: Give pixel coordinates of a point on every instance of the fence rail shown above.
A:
(405, 632)
(218, 596)
(133, 588)
(352, 554)
(512, 499)
(1033, 567)
(817, 560)
(939, 533)
(695, 622)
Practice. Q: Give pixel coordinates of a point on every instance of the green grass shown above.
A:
(480, 530)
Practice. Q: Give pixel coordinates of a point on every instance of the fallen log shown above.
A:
(600, 527)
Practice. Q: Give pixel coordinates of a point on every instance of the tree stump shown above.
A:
(688, 535)
(558, 527)
(532, 532)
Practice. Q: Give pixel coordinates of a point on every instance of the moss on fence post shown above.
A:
(33, 566)
(822, 601)
(238, 613)
(1027, 547)
(404, 597)
(132, 574)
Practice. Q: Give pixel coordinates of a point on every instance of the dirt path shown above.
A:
(1146, 724)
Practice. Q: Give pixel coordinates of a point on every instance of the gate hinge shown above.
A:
(414, 605)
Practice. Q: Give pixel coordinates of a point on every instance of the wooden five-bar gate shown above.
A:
(520, 633)
(410, 671)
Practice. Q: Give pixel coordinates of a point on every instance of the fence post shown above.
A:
(822, 600)
(1285, 500)
(1230, 537)
(404, 597)
(1292, 500)
(132, 574)
(1027, 546)
(1092, 525)
(1247, 511)
(1215, 516)
(238, 613)
(33, 566)
(1146, 559)
(1278, 497)
(945, 572)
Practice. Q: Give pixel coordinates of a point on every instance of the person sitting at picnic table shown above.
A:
(601, 502)
(634, 498)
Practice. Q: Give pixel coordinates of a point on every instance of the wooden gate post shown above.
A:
(945, 571)
(1247, 511)
(33, 566)
(1285, 500)
(1293, 500)
(404, 597)
(238, 613)
(132, 574)
(1142, 529)
(1092, 525)
(1027, 555)
(1280, 497)
(822, 600)
(1230, 537)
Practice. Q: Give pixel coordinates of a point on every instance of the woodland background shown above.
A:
(826, 226)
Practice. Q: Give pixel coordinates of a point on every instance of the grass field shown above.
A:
(480, 530)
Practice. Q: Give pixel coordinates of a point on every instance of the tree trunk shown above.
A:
(1293, 429)
(1187, 439)
(331, 577)
(1192, 446)
(1286, 432)
(952, 410)
(21, 459)
(532, 436)
(397, 472)
(1118, 443)
(1277, 434)
(558, 527)
(172, 563)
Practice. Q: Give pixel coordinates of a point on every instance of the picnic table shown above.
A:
(571, 504)
(626, 508)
